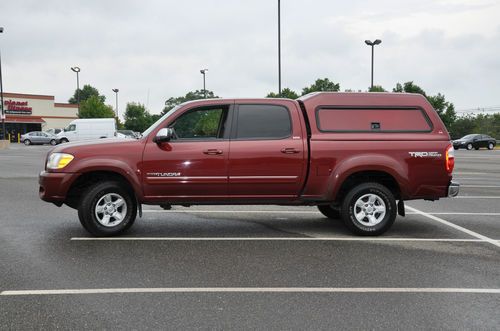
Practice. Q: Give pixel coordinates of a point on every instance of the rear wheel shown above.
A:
(107, 209)
(469, 146)
(476, 148)
(27, 142)
(369, 209)
(330, 212)
(53, 142)
(491, 146)
(64, 140)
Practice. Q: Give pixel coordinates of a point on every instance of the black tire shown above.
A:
(383, 194)
(88, 204)
(455, 147)
(53, 142)
(476, 148)
(469, 146)
(491, 146)
(27, 142)
(64, 140)
(330, 212)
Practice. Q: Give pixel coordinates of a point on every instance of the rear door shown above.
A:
(193, 164)
(266, 152)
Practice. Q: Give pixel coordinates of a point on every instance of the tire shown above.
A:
(374, 197)
(27, 142)
(64, 140)
(53, 142)
(469, 146)
(476, 148)
(330, 212)
(100, 209)
(455, 147)
(491, 146)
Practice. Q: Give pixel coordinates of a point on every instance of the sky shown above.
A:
(154, 50)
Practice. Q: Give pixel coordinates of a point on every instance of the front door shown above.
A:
(193, 164)
(267, 157)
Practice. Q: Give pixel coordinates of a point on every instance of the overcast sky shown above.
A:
(152, 50)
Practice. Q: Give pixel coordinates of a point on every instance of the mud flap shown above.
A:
(401, 208)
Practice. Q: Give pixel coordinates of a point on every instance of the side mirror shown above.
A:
(164, 135)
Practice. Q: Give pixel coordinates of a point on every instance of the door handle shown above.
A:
(289, 151)
(212, 152)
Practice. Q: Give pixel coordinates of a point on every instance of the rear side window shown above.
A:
(380, 119)
(263, 122)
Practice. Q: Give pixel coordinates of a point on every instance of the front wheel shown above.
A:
(330, 212)
(64, 140)
(491, 146)
(369, 209)
(107, 209)
(27, 142)
(469, 147)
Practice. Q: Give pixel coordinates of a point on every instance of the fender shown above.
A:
(117, 166)
(368, 162)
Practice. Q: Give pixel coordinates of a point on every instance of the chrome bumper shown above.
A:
(453, 189)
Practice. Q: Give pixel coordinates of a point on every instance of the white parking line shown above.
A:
(477, 197)
(254, 290)
(481, 186)
(457, 227)
(452, 213)
(271, 239)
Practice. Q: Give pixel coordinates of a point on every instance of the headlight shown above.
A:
(59, 160)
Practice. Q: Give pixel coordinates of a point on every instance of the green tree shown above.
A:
(376, 88)
(285, 93)
(321, 85)
(462, 126)
(445, 109)
(137, 118)
(93, 107)
(85, 93)
(190, 96)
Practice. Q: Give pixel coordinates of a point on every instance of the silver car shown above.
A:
(39, 138)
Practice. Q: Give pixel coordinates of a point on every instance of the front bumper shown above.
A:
(54, 185)
(453, 189)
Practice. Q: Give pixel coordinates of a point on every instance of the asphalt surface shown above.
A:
(251, 267)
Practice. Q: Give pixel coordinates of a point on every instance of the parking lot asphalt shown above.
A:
(251, 267)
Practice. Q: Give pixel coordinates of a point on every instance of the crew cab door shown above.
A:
(194, 162)
(267, 158)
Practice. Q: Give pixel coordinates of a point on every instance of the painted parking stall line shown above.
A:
(363, 239)
(456, 227)
(252, 290)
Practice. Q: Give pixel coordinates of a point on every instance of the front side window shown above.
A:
(72, 127)
(263, 122)
(201, 123)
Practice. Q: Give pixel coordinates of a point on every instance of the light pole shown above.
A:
(279, 47)
(372, 44)
(116, 107)
(77, 70)
(203, 72)
(1, 95)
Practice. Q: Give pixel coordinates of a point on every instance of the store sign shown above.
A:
(17, 107)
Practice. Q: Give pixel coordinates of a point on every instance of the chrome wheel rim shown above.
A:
(369, 209)
(110, 210)
(490, 146)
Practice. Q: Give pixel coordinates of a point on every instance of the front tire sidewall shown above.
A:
(491, 146)
(348, 209)
(86, 209)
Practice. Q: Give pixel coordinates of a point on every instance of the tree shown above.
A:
(85, 94)
(445, 109)
(137, 118)
(193, 95)
(376, 88)
(321, 85)
(462, 126)
(93, 107)
(285, 93)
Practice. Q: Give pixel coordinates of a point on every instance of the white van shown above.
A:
(88, 128)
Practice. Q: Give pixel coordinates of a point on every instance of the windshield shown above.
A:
(469, 136)
(155, 124)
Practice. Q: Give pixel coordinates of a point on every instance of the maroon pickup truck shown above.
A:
(356, 156)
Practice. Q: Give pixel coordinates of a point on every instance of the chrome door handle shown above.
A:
(212, 152)
(289, 151)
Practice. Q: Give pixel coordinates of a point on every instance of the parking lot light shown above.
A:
(1, 94)
(77, 70)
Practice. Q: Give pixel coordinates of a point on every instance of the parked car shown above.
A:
(88, 128)
(39, 138)
(475, 141)
(357, 156)
(126, 134)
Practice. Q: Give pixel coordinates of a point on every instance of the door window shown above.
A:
(263, 122)
(201, 124)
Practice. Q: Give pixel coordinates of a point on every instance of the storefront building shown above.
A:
(31, 112)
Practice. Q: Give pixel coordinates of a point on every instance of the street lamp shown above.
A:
(116, 93)
(372, 44)
(279, 47)
(1, 94)
(203, 72)
(77, 70)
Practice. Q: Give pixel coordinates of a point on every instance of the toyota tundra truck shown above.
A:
(356, 156)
